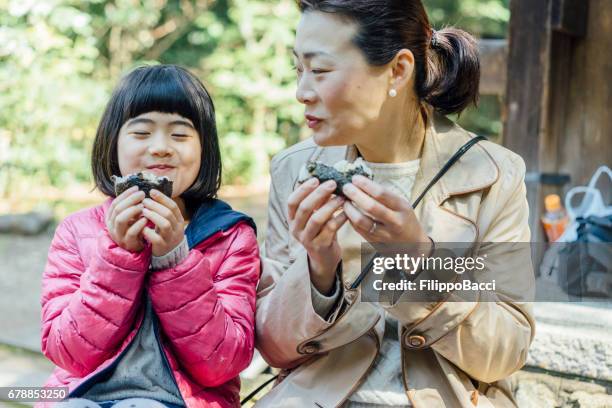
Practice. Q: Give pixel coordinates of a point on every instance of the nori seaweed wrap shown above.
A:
(341, 172)
(145, 182)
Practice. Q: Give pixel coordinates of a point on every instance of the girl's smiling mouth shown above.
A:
(160, 168)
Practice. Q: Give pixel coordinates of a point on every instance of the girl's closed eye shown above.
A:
(181, 131)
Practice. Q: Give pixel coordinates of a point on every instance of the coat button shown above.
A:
(351, 296)
(311, 347)
(415, 341)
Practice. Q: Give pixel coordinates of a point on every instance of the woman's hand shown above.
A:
(381, 216)
(122, 220)
(166, 215)
(312, 222)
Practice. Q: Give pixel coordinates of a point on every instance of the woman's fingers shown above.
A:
(298, 195)
(369, 204)
(379, 193)
(371, 230)
(312, 202)
(329, 230)
(359, 220)
(320, 218)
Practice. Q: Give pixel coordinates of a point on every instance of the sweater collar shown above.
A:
(476, 170)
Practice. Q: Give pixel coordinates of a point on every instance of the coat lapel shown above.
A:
(476, 170)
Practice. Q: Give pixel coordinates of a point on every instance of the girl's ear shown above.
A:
(402, 69)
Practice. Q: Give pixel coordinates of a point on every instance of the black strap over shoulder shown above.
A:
(462, 150)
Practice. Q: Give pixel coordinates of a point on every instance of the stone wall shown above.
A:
(550, 390)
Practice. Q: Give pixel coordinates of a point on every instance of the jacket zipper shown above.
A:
(113, 365)
(163, 352)
(91, 380)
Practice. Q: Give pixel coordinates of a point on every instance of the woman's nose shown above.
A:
(304, 93)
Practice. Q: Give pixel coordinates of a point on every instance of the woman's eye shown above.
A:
(141, 133)
(180, 134)
(318, 71)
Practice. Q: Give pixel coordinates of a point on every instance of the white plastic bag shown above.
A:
(592, 203)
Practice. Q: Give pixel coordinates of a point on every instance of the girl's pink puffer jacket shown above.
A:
(92, 303)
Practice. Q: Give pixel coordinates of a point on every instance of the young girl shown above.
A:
(152, 300)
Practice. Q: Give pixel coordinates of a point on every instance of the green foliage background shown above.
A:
(59, 60)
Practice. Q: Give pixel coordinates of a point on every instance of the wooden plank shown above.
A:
(526, 95)
(584, 72)
(570, 17)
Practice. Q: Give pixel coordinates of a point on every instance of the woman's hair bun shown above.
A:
(452, 79)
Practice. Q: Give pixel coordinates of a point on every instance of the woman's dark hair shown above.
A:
(167, 89)
(446, 62)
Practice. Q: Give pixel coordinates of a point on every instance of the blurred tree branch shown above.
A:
(169, 32)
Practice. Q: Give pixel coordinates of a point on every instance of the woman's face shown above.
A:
(163, 144)
(342, 93)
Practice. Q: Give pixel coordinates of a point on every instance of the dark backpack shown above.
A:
(585, 266)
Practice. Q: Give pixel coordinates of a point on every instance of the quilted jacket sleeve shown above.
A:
(207, 312)
(87, 310)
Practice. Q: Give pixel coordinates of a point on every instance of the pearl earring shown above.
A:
(392, 93)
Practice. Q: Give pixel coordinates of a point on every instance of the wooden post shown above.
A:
(558, 93)
(580, 103)
(526, 94)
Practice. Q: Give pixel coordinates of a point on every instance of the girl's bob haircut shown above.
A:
(166, 89)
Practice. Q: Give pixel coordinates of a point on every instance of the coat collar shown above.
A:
(214, 216)
(476, 170)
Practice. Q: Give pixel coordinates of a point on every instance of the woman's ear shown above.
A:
(402, 69)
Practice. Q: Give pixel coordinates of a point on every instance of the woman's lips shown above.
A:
(313, 121)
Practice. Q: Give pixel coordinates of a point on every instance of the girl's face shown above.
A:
(343, 94)
(163, 144)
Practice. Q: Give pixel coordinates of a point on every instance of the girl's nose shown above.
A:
(160, 146)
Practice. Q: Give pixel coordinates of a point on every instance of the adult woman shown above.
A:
(376, 82)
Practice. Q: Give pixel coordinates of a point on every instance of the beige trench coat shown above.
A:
(455, 354)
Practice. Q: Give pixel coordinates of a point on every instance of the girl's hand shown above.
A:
(166, 215)
(122, 220)
(312, 222)
(381, 216)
